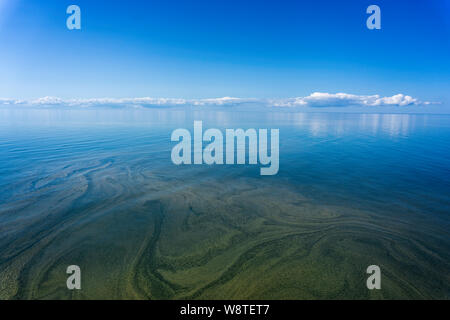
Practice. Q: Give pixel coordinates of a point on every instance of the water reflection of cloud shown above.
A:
(396, 124)
(391, 124)
(313, 124)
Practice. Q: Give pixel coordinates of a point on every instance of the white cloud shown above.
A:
(322, 99)
(222, 101)
(46, 101)
(316, 99)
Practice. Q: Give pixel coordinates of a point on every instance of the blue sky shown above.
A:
(208, 49)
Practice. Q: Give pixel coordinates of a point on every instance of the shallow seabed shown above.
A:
(97, 189)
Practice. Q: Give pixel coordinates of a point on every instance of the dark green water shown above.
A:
(97, 189)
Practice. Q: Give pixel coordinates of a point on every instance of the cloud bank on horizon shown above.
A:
(314, 100)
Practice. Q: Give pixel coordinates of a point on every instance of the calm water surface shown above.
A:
(97, 188)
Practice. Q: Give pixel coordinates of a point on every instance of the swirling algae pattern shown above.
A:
(140, 234)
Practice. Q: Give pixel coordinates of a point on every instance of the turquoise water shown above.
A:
(97, 188)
